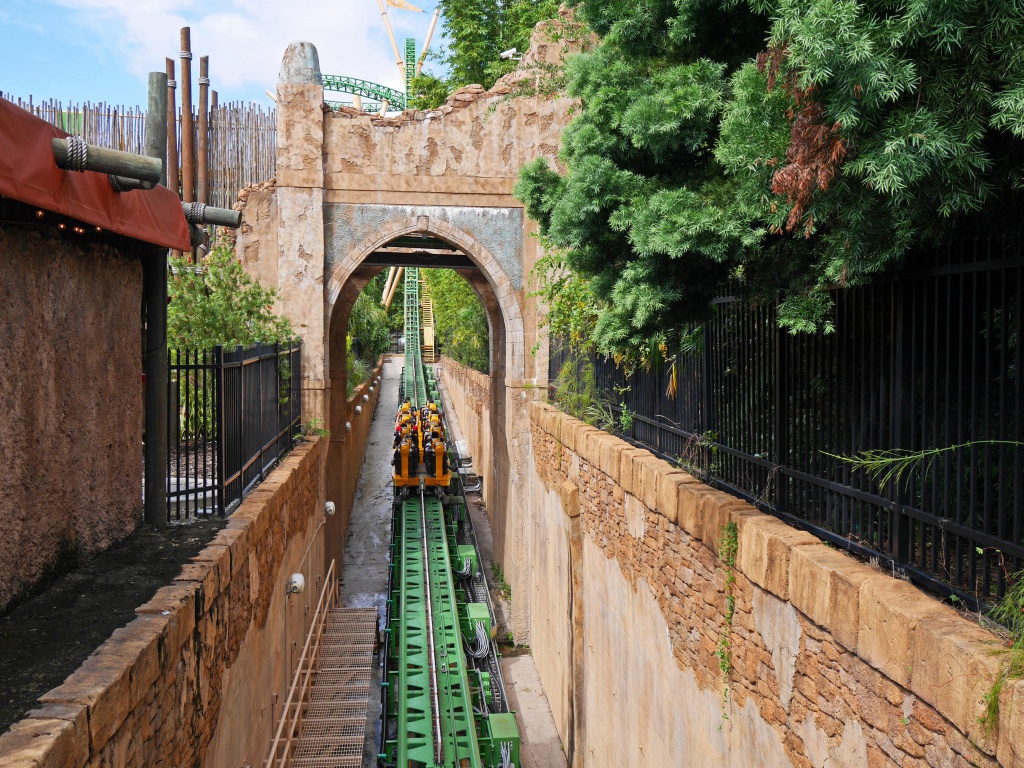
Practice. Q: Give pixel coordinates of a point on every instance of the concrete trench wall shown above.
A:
(351, 446)
(470, 393)
(200, 676)
(832, 662)
(71, 398)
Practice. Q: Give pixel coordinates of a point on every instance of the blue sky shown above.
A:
(102, 50)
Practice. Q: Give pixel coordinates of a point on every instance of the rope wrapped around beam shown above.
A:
(78, 154)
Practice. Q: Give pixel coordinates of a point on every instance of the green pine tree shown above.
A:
(777, 147)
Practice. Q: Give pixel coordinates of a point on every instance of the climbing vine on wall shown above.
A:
(727, 546)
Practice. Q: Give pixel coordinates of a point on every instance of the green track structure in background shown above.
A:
(365, 89)
(444, 702)
(410, 63)
(367, 106)
(396, 100)
(414, 387)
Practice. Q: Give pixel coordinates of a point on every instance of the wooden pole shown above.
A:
(391, 37)
(394, 285)
(156, 129)
(154, 289)
(173, 181)
(188, 128)
(387, 284)
(221, 217)
(203, 179)
(111, 161)
(426, 45)
(213, 101)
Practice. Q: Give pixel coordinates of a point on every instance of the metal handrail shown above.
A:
(289, 728)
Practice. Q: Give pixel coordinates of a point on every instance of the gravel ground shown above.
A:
(46, 637)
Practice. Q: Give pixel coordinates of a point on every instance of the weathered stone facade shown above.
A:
(348, 183)
(832, 662)
(71, 396)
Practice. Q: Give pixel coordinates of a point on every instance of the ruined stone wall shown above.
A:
(833, 663)
(194, 679)
(71, 397)
(348, 183)
(256, 238)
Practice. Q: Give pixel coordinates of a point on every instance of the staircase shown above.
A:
(323, 720)
(427, 319)
(334, 724)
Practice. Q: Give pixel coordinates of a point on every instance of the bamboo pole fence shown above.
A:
(242, 137)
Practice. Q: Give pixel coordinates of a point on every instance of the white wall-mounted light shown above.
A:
(296, 584)
(348, 426)
(366, 398)
(359, 409)
(329, 509)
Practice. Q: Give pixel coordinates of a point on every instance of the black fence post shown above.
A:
(707, 387)
(218, 454)
(900, 416)
(780, 444)
(297, 382)
(259, 403)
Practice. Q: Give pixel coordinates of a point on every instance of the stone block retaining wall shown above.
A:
(198, 677)
(833, 663)
(353, 448)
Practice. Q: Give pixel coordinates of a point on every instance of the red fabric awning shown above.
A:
(29, 174)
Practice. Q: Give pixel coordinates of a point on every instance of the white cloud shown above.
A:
(245, 40)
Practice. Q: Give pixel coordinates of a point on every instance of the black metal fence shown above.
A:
(928, 360)
(232, 414)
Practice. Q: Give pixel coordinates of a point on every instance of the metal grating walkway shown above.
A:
(334, 724)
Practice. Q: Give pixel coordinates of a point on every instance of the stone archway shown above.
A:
(346, 184)
(507, 351)
(507, 348)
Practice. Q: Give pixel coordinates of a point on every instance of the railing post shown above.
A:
(899, 414)
(218, 404)
(780, 453)
(259, 401)
(297, 380)
(241, 417)
(708, 373)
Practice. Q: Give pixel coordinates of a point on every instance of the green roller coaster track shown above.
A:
(415, 386)
(364, 88)
(440, 706)
(379, 93)
(410, 63)
(367, 106)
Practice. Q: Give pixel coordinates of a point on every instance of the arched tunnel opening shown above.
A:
(422, 251)
(460, 317)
